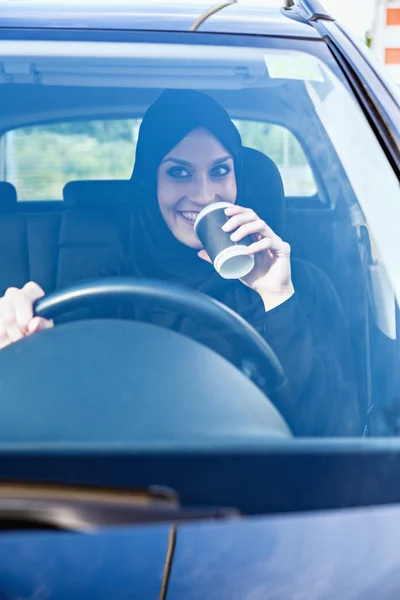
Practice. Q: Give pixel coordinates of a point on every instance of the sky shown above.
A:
(357, 15)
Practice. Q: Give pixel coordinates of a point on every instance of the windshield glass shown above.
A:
(247, 173)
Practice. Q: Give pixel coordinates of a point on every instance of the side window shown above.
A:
(285, 150)
(40, 160)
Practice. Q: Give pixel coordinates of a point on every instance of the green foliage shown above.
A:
(271, 140)
(102, 131)
(40, 160)
(45, 158)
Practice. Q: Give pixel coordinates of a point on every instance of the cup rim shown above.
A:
(210, 208)
(232, 252)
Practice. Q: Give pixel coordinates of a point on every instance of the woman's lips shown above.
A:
(188, 216)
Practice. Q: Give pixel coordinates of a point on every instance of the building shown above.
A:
(386, 35)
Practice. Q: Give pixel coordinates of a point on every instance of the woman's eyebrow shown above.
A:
(222, 159)
(178, 161)
(185, 163)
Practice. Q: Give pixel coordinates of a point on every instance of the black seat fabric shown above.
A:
(8, 197)
(14, 264)
(56, 250)
(88, 244)
(262, 189)
(42, 232)
(28, 243)
(94, 194)
(92, 229)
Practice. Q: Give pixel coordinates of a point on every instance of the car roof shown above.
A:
(151, 15)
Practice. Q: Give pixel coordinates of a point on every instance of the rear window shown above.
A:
(40, 160)
(285, 150)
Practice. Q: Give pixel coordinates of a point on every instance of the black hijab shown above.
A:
(154, 251)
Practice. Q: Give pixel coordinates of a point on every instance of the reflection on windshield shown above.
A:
(267, 205)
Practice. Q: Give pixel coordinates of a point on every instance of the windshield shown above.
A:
(246, 172)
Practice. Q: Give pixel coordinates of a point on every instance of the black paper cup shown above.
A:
(229, 258)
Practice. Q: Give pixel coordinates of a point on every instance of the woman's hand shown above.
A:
(271, 275)
(16, 314)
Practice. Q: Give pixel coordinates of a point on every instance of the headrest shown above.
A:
(85, 228)
(94, 193)
(262, 189)
(8, 197)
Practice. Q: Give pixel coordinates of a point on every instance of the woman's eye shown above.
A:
(178, 173)
(220, 171)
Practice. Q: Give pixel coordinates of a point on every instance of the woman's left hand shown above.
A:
(271, 275)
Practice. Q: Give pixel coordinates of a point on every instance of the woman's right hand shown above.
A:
(16, 314)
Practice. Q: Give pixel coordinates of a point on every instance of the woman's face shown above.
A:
(197, 172)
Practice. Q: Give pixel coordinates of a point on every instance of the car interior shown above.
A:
(60, 241)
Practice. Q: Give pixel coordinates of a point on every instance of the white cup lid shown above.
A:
(233, 262)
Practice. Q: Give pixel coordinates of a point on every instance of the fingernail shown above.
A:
(225, 226)
(234, 237)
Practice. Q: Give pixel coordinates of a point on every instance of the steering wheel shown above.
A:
(250, 352)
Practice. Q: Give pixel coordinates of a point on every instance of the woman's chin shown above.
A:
(188, 239)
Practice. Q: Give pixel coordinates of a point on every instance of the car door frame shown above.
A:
(376, 100)
(382, 111)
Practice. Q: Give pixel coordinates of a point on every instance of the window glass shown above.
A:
(336, 337)
(40, 160)
(285, 150)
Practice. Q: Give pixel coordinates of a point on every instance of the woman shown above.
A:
(189, 155)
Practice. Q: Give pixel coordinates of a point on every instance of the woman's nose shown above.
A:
(204, 192)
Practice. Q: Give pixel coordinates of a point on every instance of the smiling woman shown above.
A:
(186, 186)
